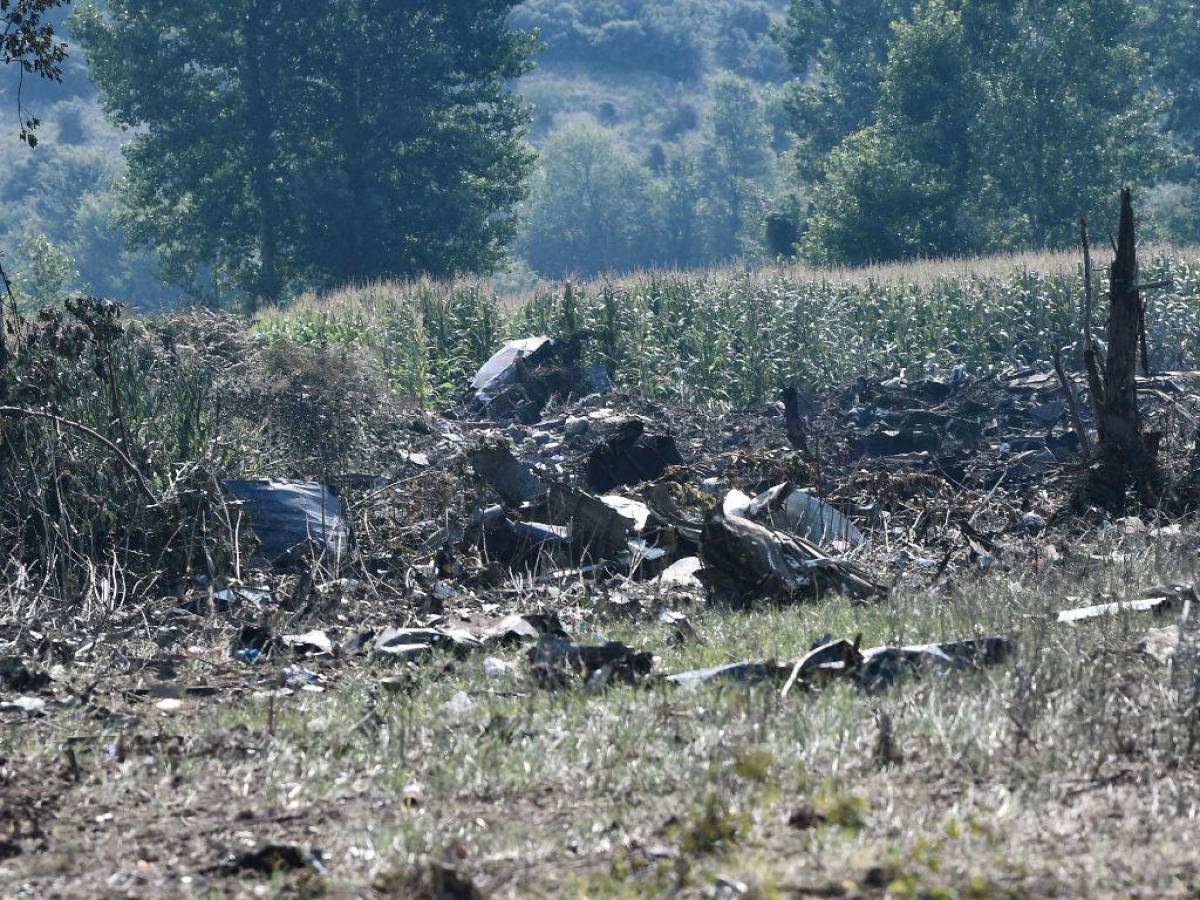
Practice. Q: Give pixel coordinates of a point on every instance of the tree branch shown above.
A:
(19, 413)
(1095, 384)
(1085, 445)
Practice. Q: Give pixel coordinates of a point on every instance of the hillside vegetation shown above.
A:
(670, 133)
(641, 70)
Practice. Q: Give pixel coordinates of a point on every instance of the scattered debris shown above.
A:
(1161, 644)
(311, 643)
(397, 644)
(497, 668)
(271, 859)
(1153, 601)
(630, 457)
(520, 379)
(516, 628)
(881, 666)
(597, 530)
(744, 561)
(228, 599)
(841, 660)
(441, 881)
(554, 660)
(256, 637)
(746, 672)
(28, 705)
(293, 520)
(682, 573)
(785, 507)
(460, 703)
(501, 369)
(824, 663)
(512, 480)
(517, 544)
(806, 818)
(301, 680)
(15, 675)
(599, 508)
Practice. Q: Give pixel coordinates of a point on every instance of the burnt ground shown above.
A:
(441, 713)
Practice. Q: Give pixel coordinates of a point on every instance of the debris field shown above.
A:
(547, 499)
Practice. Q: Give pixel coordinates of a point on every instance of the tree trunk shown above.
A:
(1126, 461)
(262, 152)
(355, 142)
(1120, 423)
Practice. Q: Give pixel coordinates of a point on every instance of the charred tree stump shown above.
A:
(1126, 460)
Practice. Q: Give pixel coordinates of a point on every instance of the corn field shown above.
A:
(733, 337)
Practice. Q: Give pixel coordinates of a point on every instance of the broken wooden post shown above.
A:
(1068, 392)
(1095, 383)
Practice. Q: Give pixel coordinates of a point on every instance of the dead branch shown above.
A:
(7, 285)
(144, 485)
(796, 431)
(1085, 446)
(1095, 385)
(1142, 343)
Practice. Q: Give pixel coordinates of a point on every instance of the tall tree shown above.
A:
(838, 49)
(28, 41)
(681, 237)
(417, 160)
(995, 124)
(207, 87)
(393, 150)
(1066, 114)
(1173, 36)
(900, 187)
(735, 160)
(590, 207)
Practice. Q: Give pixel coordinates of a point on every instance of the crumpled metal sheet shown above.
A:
(291, 518)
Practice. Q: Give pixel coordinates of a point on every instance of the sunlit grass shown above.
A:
(659, 791)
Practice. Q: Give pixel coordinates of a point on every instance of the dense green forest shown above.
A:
(678, 133)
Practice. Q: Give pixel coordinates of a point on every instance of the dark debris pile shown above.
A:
(547, 499)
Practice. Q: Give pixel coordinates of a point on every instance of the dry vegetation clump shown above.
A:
(323, 411)
(116, 433)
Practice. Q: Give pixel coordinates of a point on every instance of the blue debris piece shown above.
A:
(292, 518)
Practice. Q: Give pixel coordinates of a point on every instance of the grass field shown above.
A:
(1072, 772)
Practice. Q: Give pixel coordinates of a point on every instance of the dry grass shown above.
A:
(1071, 771)
(376, 298)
